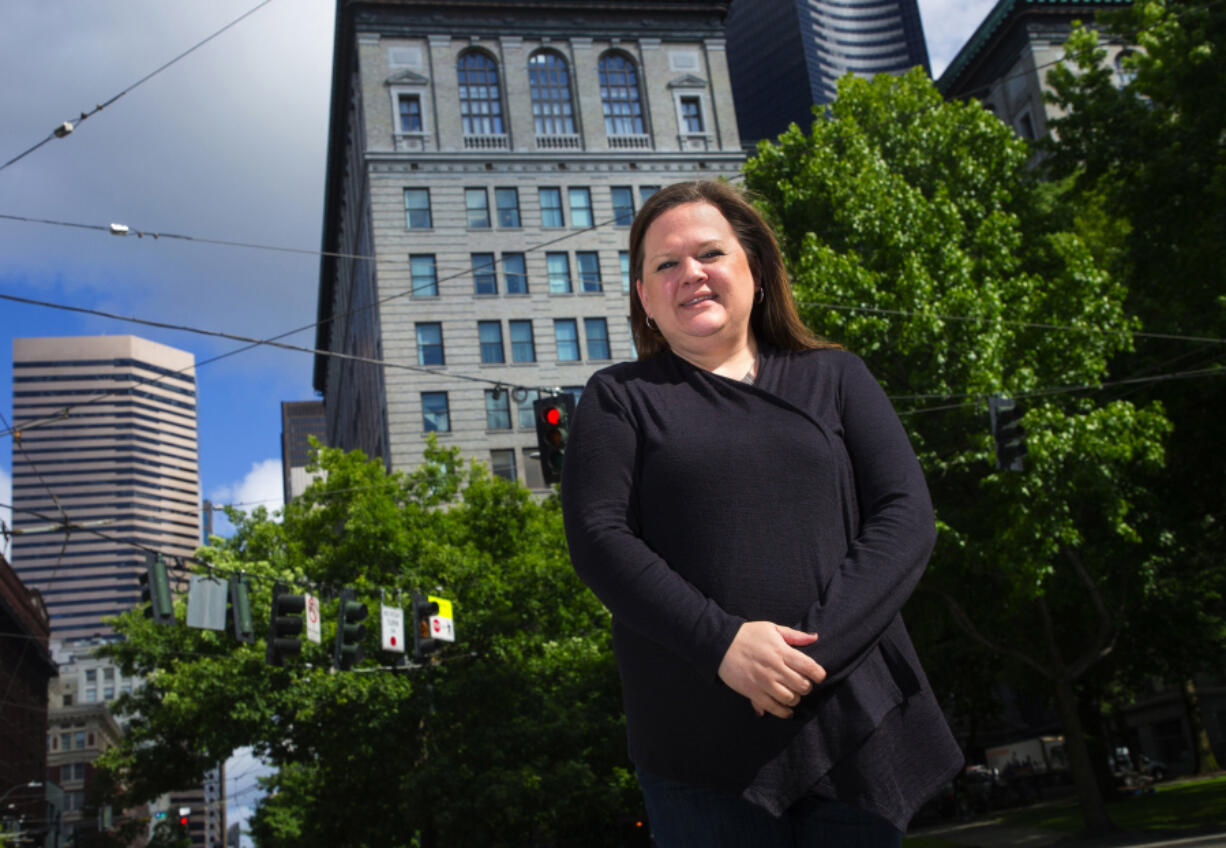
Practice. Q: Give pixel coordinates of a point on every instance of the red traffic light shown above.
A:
(552, 416)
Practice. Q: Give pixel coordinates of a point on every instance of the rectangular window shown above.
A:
(65, 741)
(410, 112)
(597, 332)
(558, 266)
(435, 417)
(497, 409)
(623, 205)
(491, 341)
(647, 191)
(78, 739)
(533, 478)
(91, 694)
(566, 335)
(551, 208)
(691, 115)
(430, 344)
(417, 208)
(516, 273)
(527, 415)
(507, 200)
(502, 463)
(91, 675)
(580, 207)
(523, 347)
(623, 261)
(485, 277)
(108, 693)
(477, 205)
(589, 270)
(421, 272)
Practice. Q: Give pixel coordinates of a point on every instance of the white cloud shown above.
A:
(6, 497)
(948, 24)
(262, 486)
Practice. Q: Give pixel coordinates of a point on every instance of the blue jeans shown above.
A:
(686, 816)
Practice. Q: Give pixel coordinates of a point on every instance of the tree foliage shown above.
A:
(917, 235)
(514, 736)
(1146, 148)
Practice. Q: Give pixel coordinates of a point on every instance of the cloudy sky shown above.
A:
(226, 144)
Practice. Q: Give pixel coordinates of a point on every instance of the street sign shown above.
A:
(393, 629)
(312, 619)
(442, 626)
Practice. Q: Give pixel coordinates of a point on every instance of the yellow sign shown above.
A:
(442, 626)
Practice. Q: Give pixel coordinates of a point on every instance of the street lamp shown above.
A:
(33, 784)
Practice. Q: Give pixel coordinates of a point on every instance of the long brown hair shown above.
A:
(775, 320)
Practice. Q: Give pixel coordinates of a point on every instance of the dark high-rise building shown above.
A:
(784, 56)
(300, 419)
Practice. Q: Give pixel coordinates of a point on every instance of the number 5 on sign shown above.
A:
(442, 626)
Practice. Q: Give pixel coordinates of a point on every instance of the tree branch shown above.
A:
(1104, 641)
(968, 627)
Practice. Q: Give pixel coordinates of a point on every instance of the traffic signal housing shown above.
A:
(155, 590)
(349, 631)
(553, 419)
(284, 625)
(240, 609)
(423, 643)
(1006, 421)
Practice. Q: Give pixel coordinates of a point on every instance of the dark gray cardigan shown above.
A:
(694, 503)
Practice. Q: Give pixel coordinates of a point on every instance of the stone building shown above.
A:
(1004, 63)
(485, 160)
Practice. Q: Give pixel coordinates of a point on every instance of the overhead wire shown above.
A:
(67, 127)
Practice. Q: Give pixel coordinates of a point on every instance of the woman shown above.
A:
(745, 502)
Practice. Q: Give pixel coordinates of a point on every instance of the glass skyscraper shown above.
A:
(784, 56)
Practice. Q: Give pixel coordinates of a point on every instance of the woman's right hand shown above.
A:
(762, 664)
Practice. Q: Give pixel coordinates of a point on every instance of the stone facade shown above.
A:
(1005, 62)
(467, 133)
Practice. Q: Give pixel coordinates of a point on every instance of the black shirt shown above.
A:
(694, 503)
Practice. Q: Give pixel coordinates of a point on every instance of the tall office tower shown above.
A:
(107, 442)
(300, 419)
(490, 157)
(785, 56)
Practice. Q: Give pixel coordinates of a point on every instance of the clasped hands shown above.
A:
(762, 664)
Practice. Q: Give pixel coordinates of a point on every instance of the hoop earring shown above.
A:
(760, 296)
(647, 321)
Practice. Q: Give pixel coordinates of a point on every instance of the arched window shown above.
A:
(480, 99)
(549, 79)
(619, 94)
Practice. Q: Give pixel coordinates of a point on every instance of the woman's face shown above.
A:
(696, 284)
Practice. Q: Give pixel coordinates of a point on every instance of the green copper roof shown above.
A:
(1001, 14)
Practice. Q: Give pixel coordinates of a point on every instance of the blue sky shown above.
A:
(227, 144)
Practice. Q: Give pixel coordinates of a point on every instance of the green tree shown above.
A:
(1148, 147)
(918, 236)
(513, 736)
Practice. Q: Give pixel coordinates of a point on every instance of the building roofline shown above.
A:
(998, 21)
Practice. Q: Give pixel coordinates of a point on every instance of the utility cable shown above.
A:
(67, 127)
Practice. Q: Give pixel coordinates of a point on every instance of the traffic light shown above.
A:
(155, 590)
(1006, 418)
(423, 643)
(553, 417)
(349, 631)
(240, 609)
(284, 625)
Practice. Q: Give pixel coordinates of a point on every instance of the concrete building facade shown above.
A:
(106, 440)
(1004, 63)
(786, 56)
(490, 156)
